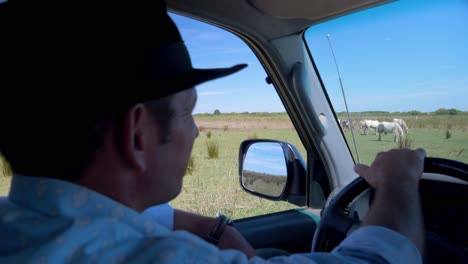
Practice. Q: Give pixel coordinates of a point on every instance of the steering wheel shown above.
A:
(335, 224)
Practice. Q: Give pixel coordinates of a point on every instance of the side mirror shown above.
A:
(264, 169)
(273, 170)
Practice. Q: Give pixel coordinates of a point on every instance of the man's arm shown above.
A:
(201, 226)
(395, 177)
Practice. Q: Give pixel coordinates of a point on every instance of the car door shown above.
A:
(246, 107)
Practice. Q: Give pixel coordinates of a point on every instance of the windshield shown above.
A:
(402, 62)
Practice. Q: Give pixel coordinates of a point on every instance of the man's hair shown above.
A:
(62, 152)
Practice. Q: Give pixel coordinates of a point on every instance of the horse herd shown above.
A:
(398, 127)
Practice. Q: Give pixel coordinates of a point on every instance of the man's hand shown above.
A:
(395, 177)
(394, 170)
(232, 239)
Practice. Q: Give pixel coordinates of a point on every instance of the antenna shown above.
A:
(351, 126)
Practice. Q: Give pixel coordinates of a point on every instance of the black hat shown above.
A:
(66, 64)
(130, 50)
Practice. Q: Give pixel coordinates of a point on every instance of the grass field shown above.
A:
(263, 183)
(432, 140)
(215, 186)
(214, 183)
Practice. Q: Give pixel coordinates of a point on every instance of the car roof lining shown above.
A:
(313, 10)
(268, 19)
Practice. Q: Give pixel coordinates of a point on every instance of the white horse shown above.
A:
(371, 124)
(387, 127)
(402, 123)
(362, 126)
(347, 125)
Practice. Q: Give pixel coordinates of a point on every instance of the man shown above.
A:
(82, 178)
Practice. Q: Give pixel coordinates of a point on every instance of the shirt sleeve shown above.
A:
(376, 244)
(162, 214)
(370, 244)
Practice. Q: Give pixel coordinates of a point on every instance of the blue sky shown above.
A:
(266, 158)
(211, 47)
(416, 48)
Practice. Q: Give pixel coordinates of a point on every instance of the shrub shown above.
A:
(404, 142)
(217, 112)
(190, 166)
(448, 134)
(208, 134)
(444, 111)
(415, 112)
(453, 111)
(213, 149)
(441, 111)
(252, 136)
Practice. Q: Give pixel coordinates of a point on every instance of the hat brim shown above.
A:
(155, 89)
(197, 76)
(182, 81)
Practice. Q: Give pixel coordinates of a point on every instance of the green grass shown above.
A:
(268, 184)
(5, 169)
(253, 136)
(432, 140)
(4, 185)
(214, 183)
(459, 122)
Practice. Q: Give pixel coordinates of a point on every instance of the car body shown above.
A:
(274, 31)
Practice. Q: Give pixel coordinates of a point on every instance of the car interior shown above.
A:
(323, 182)
(332, 200)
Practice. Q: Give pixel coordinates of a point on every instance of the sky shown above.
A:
(267, 158)
(416, 48)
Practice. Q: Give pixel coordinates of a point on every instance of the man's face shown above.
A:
(171, 157)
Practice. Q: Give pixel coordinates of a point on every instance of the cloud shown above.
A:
(268, 147)
(272, 166)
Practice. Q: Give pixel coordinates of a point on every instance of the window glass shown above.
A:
(402, 60)
(229, 110)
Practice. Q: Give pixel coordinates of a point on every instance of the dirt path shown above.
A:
(249, 124)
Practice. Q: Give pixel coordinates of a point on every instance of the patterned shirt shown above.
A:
(162, 214)
(51, 221)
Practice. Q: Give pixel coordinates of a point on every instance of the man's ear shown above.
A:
(134, 137)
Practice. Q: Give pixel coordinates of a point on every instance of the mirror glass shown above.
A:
(264, 169)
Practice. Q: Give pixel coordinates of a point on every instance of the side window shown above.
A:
(229, 111)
